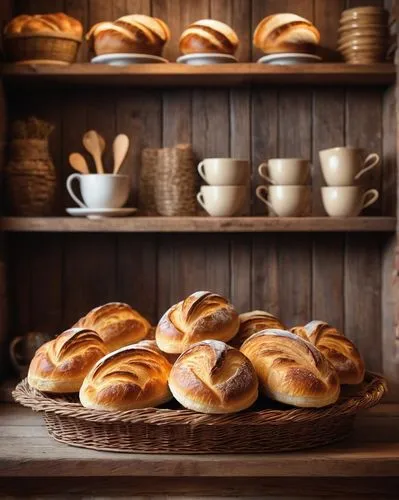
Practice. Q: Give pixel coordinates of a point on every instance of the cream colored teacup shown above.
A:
(285, 201)
(343, 166)
(222, 201)
(285, 171)
(224, 171)
(347, 201)
(100, 190)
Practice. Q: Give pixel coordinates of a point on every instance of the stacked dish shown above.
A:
(363, 35)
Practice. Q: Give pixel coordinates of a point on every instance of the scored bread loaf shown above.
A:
(135, 33)
(208, 36)
(117, 324)
(44, 23)
(135, 376)
(286, 33)
(61, 364)
(252, 322)
(338, 349)
(212, 377)
(292, 370)
(201, 316)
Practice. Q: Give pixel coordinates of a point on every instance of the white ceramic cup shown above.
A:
(343, 166)
(224, 171)
(100, 190)
(285, 171)
(222, 201)
(286, 201)
(347, 201)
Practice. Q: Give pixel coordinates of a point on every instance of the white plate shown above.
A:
(289, 58)
(201, 59)
(126, 59)
(100, 213)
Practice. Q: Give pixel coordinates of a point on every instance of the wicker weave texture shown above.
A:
(46, 48)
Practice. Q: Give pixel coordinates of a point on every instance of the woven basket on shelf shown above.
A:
(168, 430)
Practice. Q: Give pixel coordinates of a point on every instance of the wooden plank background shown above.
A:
(335, 277)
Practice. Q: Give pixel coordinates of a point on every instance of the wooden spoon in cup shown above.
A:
(94, 144)
(78, 163)
(120, 148)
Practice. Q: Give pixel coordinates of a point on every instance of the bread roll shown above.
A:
(286, 33)
(135, 33)
(291, 370)
(60, 365)
(252, 322)
(212, 377)
(201, 316)
(338, 349)
(117, 324)
(45, 23)
(132, 377)
(208, 36)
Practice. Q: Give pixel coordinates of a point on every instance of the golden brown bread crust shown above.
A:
(132, 377)
(45, 23)
(61, 364)
(129, 34)
(212, 377)
(252, 322)
(292, 370)
(201, 316)
(208, 36)
(117, 324)
(338, 349)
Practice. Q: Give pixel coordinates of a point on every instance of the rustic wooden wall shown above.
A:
(335, 277)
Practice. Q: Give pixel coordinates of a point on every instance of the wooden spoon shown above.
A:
(78, 162)
(120, 148)
(92, 143)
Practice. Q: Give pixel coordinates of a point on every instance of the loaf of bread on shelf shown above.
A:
(208, 36)
(201, 316)
(61, 364)
(117, 324)
(292, 370)
(286, 33)
(135, 376)
(44, 23)
(135, 33)
(213, 377)
(252, 322)
(338, 349)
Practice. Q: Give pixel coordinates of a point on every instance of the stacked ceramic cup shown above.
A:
(342, 168)
(227, 186)
(363, 35)
(287, 194)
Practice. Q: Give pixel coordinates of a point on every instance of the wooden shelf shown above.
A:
(179, 74)
(198, 224)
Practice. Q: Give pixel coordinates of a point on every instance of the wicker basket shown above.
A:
(41, 48)
(176, 430)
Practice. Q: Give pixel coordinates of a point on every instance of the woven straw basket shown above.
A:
(166, 430)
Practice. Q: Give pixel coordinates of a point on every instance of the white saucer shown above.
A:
(100, 213)
(201, 59)
(126, 59)
(289, 58)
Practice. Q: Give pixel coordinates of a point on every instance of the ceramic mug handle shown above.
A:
(370, 162)
(70, 179)
(259, 194)
(372, 195)
(15, 359)
(200, 169)
(200, 199)
(262, 172)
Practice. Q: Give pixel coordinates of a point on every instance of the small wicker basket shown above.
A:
(168, 430)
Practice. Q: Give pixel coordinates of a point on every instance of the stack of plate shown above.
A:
(363, 35)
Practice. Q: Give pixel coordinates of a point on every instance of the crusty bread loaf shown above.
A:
(135, 376)
(252, 322)
(338, 349)
(60, 365)
(286, 33)
(135, 33)
(208, 36)
(212, 377)
(117, 324)
(201, 316)
(44, 23)
(292, 370)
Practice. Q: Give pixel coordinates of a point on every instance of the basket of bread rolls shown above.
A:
(205, 380)
(42, 39)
